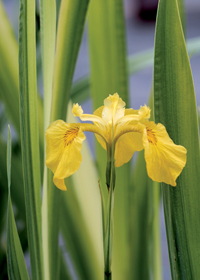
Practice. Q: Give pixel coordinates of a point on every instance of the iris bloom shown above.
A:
(130, 130)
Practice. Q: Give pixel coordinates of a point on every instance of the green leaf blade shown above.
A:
(69, 33)
(48, 34)
(9, 83)
(175, 107)
(9, 153)
(48, 37)
(70, 30)
(9, 76)
(16, 264)
(30, 134)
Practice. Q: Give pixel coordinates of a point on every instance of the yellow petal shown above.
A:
(71, 158)
(143, 112)
(125, 147)
(59, 183)
(78, 112)
(133, 116)
(98, 112)
(54, 143)
(131, 111)
(113, 108)
(164, 159)
(63, 150)
(101, 141)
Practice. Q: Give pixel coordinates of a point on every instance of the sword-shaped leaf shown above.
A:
(16, 264)
(175, 107)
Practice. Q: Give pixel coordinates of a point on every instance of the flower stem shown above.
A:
(108, 237)
(108, 276)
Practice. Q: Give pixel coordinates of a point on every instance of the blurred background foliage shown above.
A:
(99, 51)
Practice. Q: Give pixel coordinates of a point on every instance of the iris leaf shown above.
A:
(181, 7)
(48, 34)
(9, 75)
(30, 134)
(139, 228)
(175, 107)
(9, 83)
(16, 264)
(69, 33)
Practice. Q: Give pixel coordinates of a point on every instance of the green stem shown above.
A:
(108, 276)
(110, 181)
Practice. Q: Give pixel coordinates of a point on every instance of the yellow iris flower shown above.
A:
(130, 130)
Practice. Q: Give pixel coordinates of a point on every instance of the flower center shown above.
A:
(70, 134)
(151, 137)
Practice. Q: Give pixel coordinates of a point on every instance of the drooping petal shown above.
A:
(63, 150)
(113, 108)
(71, 158)
(126, 146)
(59, 183)
(55, 143)
(101, 141)
(164, 159)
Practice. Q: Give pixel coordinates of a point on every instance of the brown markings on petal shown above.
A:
(151, 137)
(70, 135)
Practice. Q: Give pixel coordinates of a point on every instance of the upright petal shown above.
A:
(63, 150)
(165, 160)
(113, 108)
